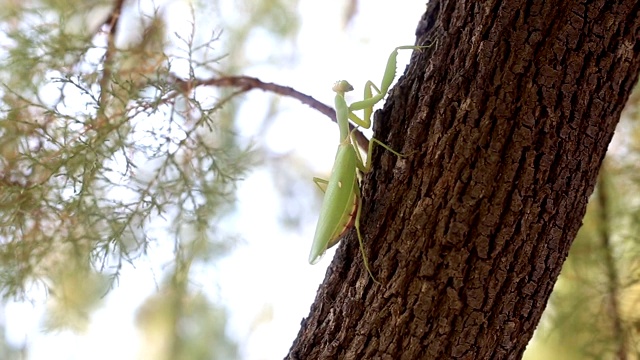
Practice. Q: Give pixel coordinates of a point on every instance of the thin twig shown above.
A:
(247, 83)
(113, 21)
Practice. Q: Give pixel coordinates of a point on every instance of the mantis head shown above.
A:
(342, 87)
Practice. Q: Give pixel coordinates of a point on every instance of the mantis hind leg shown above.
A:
(365, 261)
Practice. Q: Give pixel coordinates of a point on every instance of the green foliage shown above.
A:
(179, 323)
(106, 151)
(98, 146)
(74, 293)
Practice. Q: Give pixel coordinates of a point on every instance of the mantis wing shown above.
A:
(340, 202)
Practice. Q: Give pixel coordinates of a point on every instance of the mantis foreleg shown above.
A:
(319, 181)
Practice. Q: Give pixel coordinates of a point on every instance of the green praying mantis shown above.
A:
(342, 200)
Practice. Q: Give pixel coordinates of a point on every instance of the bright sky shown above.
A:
(280, 282)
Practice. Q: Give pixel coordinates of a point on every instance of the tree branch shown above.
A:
(247, 83)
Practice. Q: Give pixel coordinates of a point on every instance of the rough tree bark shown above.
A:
(510, 115)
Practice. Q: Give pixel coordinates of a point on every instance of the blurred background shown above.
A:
(138, 221)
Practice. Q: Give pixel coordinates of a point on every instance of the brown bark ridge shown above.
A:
(509, 116)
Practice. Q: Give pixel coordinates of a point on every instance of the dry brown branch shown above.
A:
(247, 83)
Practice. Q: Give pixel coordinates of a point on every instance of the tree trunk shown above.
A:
(506, 119)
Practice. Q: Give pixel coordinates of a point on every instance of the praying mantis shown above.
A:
(342, 200)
